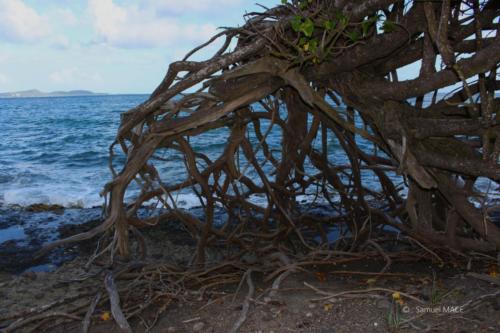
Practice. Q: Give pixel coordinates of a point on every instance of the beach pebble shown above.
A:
(198, 327)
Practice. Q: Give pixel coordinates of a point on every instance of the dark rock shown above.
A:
(36, 208)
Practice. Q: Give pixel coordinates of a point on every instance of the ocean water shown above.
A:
(55, 150)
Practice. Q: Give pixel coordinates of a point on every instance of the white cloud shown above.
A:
(74, 75)
(21, 23)
(175, 7)
(64, 16)
(61, 43)
(133, 26)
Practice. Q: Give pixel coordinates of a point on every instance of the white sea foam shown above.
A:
(187, 200)
(51, 196)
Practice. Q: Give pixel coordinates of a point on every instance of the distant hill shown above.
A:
(38, 93)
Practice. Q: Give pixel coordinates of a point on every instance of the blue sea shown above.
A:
(55, 150)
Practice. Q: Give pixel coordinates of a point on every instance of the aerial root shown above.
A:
(301, 140)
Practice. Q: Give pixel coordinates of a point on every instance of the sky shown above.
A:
(112, 46)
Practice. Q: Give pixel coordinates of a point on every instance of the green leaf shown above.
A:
(313, 45)
(329, 25)
(388, 26)
(339, 15)
(353, 35)
(366, 24)
(296, 23)
(307, 27)
(284, 2)
(341, 18)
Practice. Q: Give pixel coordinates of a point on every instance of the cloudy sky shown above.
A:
(114, 46)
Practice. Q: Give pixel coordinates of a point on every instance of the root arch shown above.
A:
(331, 95)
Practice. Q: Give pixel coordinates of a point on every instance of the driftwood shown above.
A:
(325, 75)
(114, 300)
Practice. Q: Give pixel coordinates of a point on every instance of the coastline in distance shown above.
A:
(38, 93)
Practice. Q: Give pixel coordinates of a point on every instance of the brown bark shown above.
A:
(273, 80)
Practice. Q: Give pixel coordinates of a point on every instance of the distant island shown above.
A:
(37, 93)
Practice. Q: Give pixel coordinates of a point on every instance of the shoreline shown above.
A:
(25, 230)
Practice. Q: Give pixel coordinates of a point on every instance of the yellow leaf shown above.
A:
(105, 316)
(396, 296)
(328, 307)
(371, 281)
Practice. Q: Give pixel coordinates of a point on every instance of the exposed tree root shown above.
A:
(324, 75)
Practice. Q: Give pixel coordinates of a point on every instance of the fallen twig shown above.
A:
(88, 316)
(246, 303)
(329, 296)
(114, 300)
(23, 322)
(484, 277)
